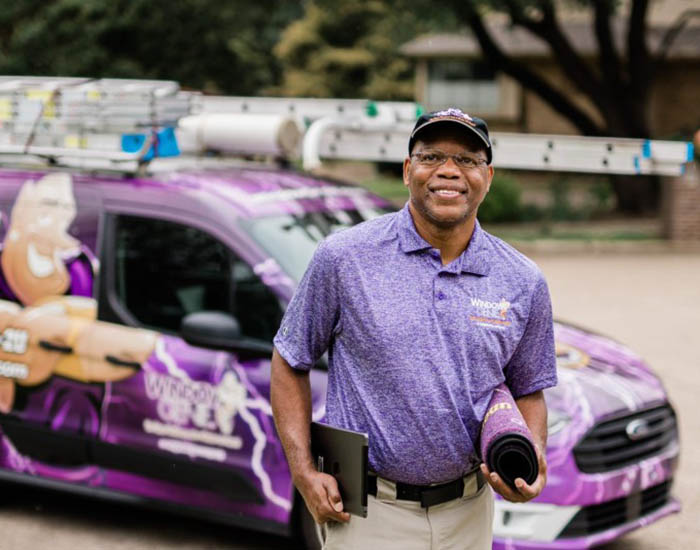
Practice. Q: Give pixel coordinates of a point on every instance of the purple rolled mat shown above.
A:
(506, 442)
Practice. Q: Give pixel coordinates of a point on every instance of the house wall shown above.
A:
(675, 101)
(681, 205)
(539, 117)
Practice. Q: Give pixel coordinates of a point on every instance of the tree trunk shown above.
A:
(637, 194)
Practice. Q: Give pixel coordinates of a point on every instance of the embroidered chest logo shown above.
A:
(490, 314)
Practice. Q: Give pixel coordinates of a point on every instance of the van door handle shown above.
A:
(122, 362)
(49, 346)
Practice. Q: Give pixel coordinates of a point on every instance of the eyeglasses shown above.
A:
(438, 158)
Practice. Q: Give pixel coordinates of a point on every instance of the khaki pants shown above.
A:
(463, 523)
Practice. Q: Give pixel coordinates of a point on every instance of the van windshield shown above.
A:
(291, 239)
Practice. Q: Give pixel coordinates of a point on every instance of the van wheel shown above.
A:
(307, 530)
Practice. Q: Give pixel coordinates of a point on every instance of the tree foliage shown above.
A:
(217, 45)
(349, 48)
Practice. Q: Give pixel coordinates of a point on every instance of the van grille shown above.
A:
(608, 446)
(601, 517)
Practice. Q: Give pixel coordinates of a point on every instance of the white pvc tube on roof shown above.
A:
(311, 158)
(250, 134)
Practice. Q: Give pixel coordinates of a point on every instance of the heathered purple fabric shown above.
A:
(416, 348)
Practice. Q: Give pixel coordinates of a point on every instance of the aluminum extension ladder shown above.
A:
(116, 120)
(366, 140)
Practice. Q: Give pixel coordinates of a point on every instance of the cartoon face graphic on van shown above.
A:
(37, 242)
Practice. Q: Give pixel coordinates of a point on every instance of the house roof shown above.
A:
(519, 42)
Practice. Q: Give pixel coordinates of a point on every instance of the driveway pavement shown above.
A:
(651, 303)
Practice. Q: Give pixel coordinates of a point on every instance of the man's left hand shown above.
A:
(523, 491)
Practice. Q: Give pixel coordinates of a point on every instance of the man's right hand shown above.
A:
(322, 497)
(290, 396)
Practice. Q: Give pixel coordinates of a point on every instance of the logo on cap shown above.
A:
(452, 112)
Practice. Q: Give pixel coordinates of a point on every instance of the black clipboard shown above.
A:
(344, 455)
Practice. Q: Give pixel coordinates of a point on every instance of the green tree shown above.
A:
(348, 48)
(218, 45)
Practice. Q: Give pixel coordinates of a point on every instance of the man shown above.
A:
(423, 314)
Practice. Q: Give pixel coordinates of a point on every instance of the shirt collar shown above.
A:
(476, 258)
(409, 239)
(473, 260)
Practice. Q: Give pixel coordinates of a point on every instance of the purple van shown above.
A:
(136, 320)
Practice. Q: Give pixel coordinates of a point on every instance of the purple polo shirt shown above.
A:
(416, 348)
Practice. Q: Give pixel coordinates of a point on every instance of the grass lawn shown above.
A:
(622, 230)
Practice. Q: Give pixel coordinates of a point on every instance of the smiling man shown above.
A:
(423, 315)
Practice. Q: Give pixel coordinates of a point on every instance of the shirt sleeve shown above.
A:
(533, 364)
(313, 315)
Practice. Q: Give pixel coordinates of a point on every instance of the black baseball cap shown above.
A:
(473, 124)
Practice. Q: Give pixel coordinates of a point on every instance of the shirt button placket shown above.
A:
(439, 295)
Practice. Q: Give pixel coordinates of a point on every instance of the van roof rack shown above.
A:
(67, 118)
(123, 123)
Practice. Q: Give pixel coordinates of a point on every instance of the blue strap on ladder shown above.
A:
(164, 144)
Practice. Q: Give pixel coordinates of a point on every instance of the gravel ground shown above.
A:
(649, 301)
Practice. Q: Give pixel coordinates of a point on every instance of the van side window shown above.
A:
(166, 270)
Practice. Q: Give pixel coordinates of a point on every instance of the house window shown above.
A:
(469, 84)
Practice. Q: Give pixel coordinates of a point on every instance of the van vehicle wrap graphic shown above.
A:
(39, 258)
(201, 409)
(61, 337)
(205, 408)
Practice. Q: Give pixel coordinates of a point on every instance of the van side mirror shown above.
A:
(219, 330)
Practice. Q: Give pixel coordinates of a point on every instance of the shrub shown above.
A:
(502, 204)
